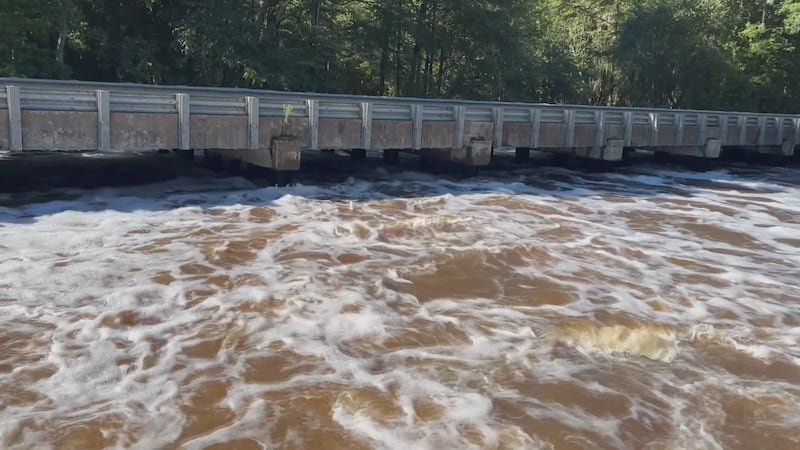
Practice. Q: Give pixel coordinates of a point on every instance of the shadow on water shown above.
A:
(34, 185)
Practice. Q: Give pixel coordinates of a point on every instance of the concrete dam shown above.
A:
(271, 129)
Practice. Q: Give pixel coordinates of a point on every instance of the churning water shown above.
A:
(541, 308)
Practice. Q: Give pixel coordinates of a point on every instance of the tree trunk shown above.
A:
(316, 8)
(62, 40)
(399, 61)
(440, 75)
(418, 43)
(385, 32)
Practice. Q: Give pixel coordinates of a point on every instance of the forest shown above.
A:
(739, 55)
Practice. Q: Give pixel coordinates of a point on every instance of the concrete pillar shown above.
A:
(281, 178)
(425, 160)
(184, 155)
(212, 159)
(611, 151)
(231, 163)
(784, 149)
(358, 154)
(391, 156)
(522, 154)
(477, 153)
(661, 156)
(563, 159)
(711, 150)
(283, 154)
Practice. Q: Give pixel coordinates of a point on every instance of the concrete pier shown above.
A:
(272, 129)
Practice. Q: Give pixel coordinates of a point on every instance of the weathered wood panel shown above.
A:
(585, 135)
(614, 132)
(733, 135)
(666, 135)
(144, 131)
(438, 134)
(59, 130)
(270, 127)
(391, 134)
(691, 135)
(551, 135)
(340, 133)
(751, 136)
(218, 132)
(713, 133)
(771, 136)
(516, 134)
(640, 135)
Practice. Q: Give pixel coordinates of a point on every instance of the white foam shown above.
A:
(75, 266)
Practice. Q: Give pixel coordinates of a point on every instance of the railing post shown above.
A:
(461, 119)
(742, 121)
(779, 135)
(416, 126)
(103, 120)
(762, 130)
(569, 139)
(796, 132)
(680, 121)
(253, 119)
(654, 129)
(600, 132)
(313, 123)
(702, 121)
(366, 125)
(723, 123)
(14, 118)
(536, 122)
(184, 121)
(497, 114)
(628, 132)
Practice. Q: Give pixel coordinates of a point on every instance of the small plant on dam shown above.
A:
(287, 113)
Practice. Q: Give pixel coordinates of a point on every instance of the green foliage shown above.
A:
(742, 54)
(287, 112)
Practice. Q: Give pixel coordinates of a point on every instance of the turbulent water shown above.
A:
(642, 308)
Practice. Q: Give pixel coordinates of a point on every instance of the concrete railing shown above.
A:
(270, 128)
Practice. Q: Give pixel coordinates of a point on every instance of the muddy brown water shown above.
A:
(648, 307)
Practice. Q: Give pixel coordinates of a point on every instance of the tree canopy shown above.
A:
(712, 54)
